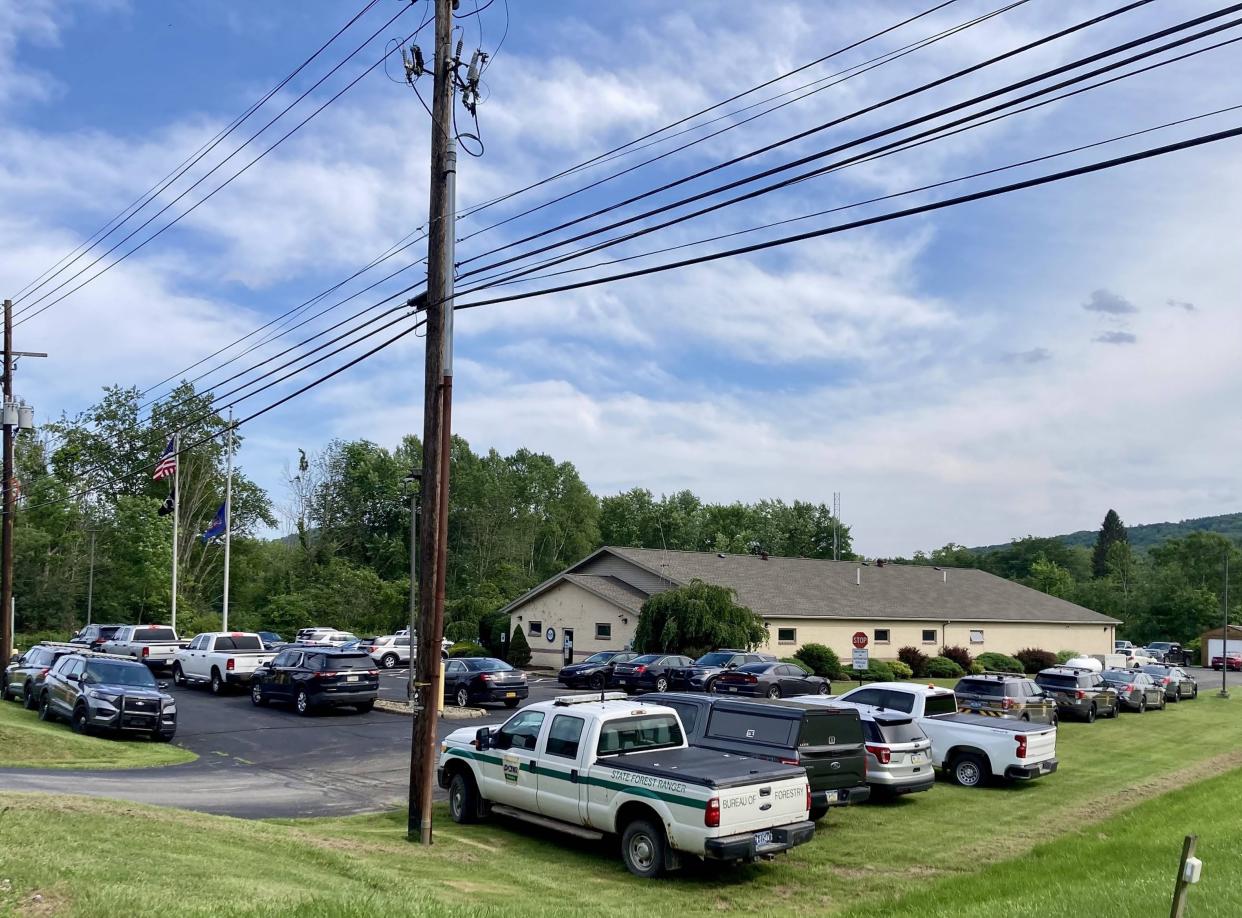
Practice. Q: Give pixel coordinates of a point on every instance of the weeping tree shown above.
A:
(696, 618)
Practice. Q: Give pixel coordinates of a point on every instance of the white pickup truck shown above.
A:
(221, 658)
(155, 645)
(970, 747)
(607, 765)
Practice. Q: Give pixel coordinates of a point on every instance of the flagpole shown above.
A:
(228, 523)
(176, 520)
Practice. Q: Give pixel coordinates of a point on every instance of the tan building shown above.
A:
(596, 604)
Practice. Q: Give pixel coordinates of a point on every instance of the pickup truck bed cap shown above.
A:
(704, 767)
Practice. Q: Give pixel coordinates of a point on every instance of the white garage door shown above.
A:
(1214, 647)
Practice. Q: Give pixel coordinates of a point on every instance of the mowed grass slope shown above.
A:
(25, 741)
(1111, 820)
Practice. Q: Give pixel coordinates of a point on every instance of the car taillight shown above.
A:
(44, 671)
(146, 651)
(808, 796)
(711, 815)
(1080, 694)
(372, 672)
(788, 761)
(883, 754)
(643, 669)
(230, 665)
(1021, 747)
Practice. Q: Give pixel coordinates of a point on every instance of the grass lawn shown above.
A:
(27, 741)
(1101, 837)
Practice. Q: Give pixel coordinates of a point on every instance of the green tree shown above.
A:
(1112, 532)
(696, 618)
(1049, 577)
(519, 648)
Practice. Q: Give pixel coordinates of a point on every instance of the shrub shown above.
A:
(467, 649)
(944, 668)
(959, 655)
(519, 649)
(878, 671)
(900, 669)
(999, 663)
(976, 669)
(821, 660)
(1063, 655)
(1033, 660)
(915, 659)
(795, 662)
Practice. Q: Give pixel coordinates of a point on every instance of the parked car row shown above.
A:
(725, 671)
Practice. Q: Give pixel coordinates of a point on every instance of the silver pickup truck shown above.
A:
(155, 645)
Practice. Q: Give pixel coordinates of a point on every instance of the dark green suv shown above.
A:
(1005, 695)
(1079, 692)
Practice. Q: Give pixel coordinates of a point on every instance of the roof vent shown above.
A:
(946, 576)
(858, 575)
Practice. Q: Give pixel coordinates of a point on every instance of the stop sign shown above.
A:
(860, 640)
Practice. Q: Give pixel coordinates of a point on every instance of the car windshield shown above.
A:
(1156, 670)
(600, 657)
(341, 661)
(901, 731)
(104, 673)
(980, 687)
(486, 665)
(639, 734)
(238, 642)
(939, 705)
(108, 631)
(1159, 645)
(148, 635)
(715, 658)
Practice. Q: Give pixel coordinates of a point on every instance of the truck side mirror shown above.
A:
(483, 738)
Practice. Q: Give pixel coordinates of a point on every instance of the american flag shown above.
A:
(168, 461)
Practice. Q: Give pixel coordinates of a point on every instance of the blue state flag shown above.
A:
(217, 524)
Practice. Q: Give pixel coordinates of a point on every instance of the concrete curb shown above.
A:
(403, 707)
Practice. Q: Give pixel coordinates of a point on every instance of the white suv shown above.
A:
(390, 651)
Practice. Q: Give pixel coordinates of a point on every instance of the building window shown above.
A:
(976, 637)
(881, 635)
(787, 635)
(603, 631)
(929, 635)
(534, 629)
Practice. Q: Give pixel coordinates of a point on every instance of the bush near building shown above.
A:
(1034, 660)
(915, 659)
(467, 649)
(959, 655)
(519, 648)
(999, 663)
(821, 660)
(1065, 655)
(900, 669)
(944, 668)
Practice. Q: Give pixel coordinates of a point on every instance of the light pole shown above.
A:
(1224, 643)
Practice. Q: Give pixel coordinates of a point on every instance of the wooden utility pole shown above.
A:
(437, 431)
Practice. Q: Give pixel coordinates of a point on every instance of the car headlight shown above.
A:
(104, 696)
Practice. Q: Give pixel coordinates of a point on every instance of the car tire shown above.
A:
(1142, 705)
(463, 799)
(1163, 702)
(642, 849)
(302, 703)
(1025, 718)
(462, 696)
(661, 684)
(390, 660)
(969, 770)
(159, 737)
(217, 683)
(256, 695)
(4, 693)
(511, 702)
(46, 714)
(178, 675)
(1055, 720)
(823, 689)
(596, 682)
(817, 813)
(1194, 693)
(29, 701)
(79, 723)
(1091, 713)
(774, 692)
(1177, 696)
(710, 686)
(365, 707)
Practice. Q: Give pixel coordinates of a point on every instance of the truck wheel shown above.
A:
(774, 692)
(178, 675)
(29, 701)
(661, 684)
(642, 849)
(45, 709)
(1143, 705)
(817, 813)
(389, 660)
(463, 799)
(969, 770)
(511, 702)
(302, 703)
(217, 684)
(78, 722)
(256, 695)
(1091, 714)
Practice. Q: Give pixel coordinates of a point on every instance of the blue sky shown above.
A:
(1016, 365)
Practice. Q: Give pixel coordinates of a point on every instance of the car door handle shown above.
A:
(573, 776)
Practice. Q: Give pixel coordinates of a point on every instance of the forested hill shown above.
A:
(1148, 535)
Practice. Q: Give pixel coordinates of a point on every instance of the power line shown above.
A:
(155, 190)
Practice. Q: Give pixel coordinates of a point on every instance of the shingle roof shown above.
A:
(615, 591)
(813, 588)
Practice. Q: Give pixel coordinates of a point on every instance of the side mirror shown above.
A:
(74, 677)
(483, 738)
(161, 685)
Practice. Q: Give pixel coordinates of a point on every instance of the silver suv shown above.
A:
(390, 651)
(898, 754)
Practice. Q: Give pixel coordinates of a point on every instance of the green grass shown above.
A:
(1105, 830)
(25, 741)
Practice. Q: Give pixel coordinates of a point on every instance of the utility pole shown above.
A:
(228, 523)
(415, 482)
(1224, 653)
(176, 524)
(12, 419)
(437, 430)
(90, 584)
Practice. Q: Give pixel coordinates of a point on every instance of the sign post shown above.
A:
(861, 654)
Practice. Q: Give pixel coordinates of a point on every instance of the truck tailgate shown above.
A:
(763, 805)
(1041, 745)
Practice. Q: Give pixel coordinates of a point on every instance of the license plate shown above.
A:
(623, 681)
(916, 759)
(762, 839)
(733, 688)
(510, 694)
(352, 678)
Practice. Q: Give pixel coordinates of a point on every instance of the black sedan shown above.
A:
(317, 677)
(594, 671)
(651, 672)
(771, 680)
(1135, 689)
(471, 680)
(1176, 682)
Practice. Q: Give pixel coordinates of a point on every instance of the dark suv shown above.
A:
(1005, 695)
(317, 677)
(701, 675)
(827, 742)
(106, 693)
(92, 637)
(1079, 692)
(24, 676)
(652, 672)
